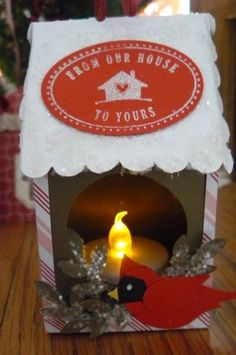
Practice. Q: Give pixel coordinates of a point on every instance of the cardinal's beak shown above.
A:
(114, 294)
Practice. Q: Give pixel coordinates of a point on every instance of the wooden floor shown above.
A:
(21, 328)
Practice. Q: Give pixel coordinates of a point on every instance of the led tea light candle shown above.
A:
(120, 242)
(119, 239)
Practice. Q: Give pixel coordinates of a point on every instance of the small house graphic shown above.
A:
(123, 86)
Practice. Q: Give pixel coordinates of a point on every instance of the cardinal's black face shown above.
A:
(131, 289)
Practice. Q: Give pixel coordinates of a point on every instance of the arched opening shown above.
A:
(154, 212)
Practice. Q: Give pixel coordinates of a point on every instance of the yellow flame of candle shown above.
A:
(120, 241)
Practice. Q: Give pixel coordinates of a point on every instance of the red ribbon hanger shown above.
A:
(129, 7)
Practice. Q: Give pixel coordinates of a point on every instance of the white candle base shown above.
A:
(144, 251)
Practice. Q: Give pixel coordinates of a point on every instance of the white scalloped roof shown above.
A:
(199, 142)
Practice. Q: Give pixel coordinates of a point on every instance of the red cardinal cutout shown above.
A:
(163, 301)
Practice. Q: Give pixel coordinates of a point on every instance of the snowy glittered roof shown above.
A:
(198, 142)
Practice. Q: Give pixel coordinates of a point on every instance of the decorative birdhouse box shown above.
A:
(123, 135)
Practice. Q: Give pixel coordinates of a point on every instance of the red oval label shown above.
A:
(123, 88)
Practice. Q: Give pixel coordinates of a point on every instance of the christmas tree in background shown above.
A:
(16, 16)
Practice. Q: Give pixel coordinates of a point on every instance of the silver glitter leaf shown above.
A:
(181, 248)
(120, 315)
(76, 326)
(87, 290)
(199, 269)
(76, 244)
(95, 305)
(208, 250)
(183, 263)
(62, 312)
(77, 266)
(98, 327)
(49, 292)
(98, 258)
(73, 269)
